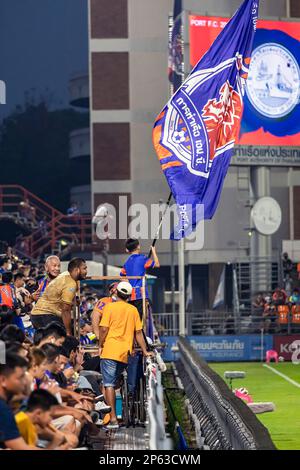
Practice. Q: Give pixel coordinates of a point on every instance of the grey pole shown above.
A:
(260, 245)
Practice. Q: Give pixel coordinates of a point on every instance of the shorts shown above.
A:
(43, 320)
(111, 372)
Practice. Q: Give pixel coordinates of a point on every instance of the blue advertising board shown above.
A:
(231, 348)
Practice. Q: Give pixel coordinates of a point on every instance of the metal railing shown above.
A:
(256, 274)
(158, 439)
(74, 230)
(209, 322)
(224, 422)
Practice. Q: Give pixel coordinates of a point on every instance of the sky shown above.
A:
(42, 43)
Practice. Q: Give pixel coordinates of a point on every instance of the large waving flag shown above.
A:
(194, 134)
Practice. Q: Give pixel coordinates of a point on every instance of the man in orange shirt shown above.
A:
(119, 326)
(98, 309)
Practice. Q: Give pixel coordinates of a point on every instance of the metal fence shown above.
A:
(210, 322)
(158, 439)
(222, 421)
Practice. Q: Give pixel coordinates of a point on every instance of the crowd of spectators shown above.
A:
(54, 394)
(277, 311)
(50, 389)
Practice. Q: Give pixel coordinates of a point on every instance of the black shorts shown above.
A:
(41, 321)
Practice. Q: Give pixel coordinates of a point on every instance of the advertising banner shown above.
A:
(231, 348)
(271, 118)
(287, 346)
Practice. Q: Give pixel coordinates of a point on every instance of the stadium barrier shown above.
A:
(287, 347)
(224, 421)
(158, 439)
(233, 348)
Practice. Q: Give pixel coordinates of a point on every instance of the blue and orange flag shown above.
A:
(195, 133)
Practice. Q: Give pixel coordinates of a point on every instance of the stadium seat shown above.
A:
(295, 318)
(283, 313)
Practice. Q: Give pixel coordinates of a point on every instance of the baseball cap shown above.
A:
(124, 288)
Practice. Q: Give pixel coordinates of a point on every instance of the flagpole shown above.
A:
(160, 224)
(181, 281)
(181, 259)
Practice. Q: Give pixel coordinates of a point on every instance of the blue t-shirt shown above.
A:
(136, 265)
(8, 427)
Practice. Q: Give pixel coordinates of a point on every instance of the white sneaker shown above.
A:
(102, 407)
(112, 426)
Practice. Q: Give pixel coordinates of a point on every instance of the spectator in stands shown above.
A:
(43, 227)
(17, 348)
(57, 300)
(20, 291)
(37, 366)
(88, 381)
(22, 245)
(279, 297)
(12, 382)
(98, 308)
(7, 291)
(119, 326)
(53, 376)
(295, 297)
(287, 265)
(136, 265)
(37, 418)
(52, 268)
(5, 265)
(73, 210)
(269, 315)
(19, 281)
(27, 211)
(87, 336)
(12, 333)
(53, 333)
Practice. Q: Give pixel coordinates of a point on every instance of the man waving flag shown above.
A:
(194, 134)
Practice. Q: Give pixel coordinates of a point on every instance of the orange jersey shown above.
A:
(7, 296)
(101, 304)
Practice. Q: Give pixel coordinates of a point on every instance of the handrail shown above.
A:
(32, 195)
(57, 225)
(158, 439)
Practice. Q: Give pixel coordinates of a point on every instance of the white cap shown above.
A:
(124, 288)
